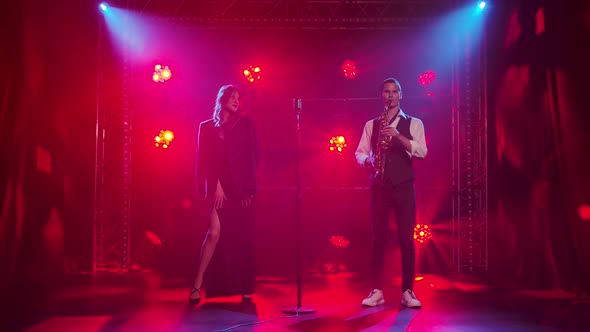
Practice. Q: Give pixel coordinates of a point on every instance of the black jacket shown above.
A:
(243, 155)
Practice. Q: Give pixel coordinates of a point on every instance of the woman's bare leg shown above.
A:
(208, 248)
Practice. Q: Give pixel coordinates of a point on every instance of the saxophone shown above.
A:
(383, 143)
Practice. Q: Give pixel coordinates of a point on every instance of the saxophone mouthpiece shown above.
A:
(389, 104)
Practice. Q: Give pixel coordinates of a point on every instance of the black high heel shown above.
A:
(191, 299)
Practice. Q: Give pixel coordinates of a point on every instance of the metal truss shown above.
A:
(470, 180)
(126, 208)
(112, 234)
(362, 8)
(294, 8)
(328, 14)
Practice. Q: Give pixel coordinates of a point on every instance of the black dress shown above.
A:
(232, 267)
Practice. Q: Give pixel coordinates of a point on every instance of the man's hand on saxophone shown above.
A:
(393, 132)
(370, 162)
(390, 131)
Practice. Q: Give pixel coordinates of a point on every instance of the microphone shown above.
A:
(297, 104)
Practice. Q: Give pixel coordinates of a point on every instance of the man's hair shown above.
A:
(225, 92)
(391, 80)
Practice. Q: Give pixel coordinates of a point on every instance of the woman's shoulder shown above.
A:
(207, 123)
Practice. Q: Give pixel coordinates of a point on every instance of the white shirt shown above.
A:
(418, 141)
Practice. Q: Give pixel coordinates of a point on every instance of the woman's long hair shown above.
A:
(225, 92)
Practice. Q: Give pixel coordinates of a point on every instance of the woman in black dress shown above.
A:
(227, 159)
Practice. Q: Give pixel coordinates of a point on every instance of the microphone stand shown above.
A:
(298, 309)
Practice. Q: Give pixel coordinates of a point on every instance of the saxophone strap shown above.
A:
(393, 118)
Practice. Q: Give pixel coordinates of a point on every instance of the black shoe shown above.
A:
(246, 298)
(195, 300)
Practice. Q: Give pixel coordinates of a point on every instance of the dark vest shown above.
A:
(398, 164)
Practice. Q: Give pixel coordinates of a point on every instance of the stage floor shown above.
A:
(143, 301)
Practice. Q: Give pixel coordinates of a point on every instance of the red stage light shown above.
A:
(339, 241)
(349, 69)
(253, 74)
(161, 73)
(584, 212)
(164, 138)
(427, 77)
(337, 144)
(153, 237)
(422, 233)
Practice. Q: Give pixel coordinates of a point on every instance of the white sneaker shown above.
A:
(410, 300)
(375, 298)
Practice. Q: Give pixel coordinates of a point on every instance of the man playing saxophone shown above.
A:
(387, 147)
